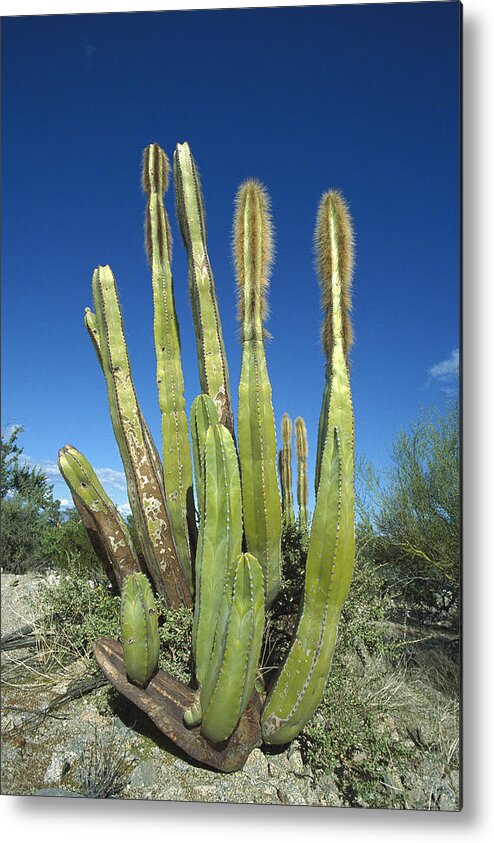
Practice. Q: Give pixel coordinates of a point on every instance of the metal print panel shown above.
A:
(230, 442)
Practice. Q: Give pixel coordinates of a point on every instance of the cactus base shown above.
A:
(165, 700)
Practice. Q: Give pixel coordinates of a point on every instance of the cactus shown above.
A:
(107, 530)
(220, 541)
(256, 426)
(177, 464)
(334, 255)
(144, 481)
(139, 628)
(285, 470)
(237, 562)
(299, 686)
(302, 481)
(213, 366)
(229, 681)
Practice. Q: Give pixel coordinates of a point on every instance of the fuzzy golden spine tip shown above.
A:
(155, 170)
(286, 429)
(300, 438)
(334, 246)
(252, 253)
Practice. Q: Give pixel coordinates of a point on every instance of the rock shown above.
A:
(144, 775)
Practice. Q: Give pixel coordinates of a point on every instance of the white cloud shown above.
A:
(112, 479)
(109, 477)
(446, 370)
(48, 467)
(124, 509)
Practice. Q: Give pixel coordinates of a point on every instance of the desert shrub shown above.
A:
(105, 766)
(28, 509)
(63, 541)
(21, 532)
(410, 523)
(80, 609)
(175, 631)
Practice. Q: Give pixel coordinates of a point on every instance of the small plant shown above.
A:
(105, 766)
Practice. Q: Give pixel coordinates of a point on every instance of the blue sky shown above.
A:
(363, 98)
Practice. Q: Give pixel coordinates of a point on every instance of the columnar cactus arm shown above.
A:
(92, 329)
(335, 258)
(285, 470)
(232, 672)
(213, 366)
(145, 487)
(256, 426)
(302, 481)
(203, 414)
(139, 629)
(177, 464)
(106, 528)
(300, 685)
(220, 541)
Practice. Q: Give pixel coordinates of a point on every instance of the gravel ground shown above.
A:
(76, 749)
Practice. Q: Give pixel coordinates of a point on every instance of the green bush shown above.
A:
(60, 542)
(411, 523)
(21, 533)
(28, 509)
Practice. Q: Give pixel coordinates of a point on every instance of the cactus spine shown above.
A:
(231, 675)
(177, 464)
(107, 529)
(300, 684)
(144, 480)
(256, 426)
(285, 470)
(302, 481)
(213, 366)
(139, 628)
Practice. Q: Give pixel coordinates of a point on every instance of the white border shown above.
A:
(65, 820)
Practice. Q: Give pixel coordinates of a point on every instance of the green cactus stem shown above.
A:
(139, 629)
(177, 464)
(220, 542)
(302, 481)
(203, 414)
(335, 258)
(140, 461)
(285, 470)
(213, 366)
(92, 328)
(231, 676)
(106, 528)
(256, 426)
(300, 684)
